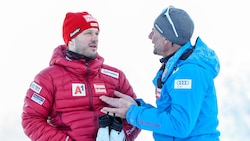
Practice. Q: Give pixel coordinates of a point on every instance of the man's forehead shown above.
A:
(91, 30)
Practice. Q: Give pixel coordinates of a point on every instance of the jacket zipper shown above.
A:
(89, 88)
(90, 95)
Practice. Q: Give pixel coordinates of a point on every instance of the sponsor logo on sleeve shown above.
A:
(183, 84)
(78, 89)
(35, 87)
(38, 99)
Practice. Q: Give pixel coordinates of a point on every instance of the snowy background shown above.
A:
(30, 30)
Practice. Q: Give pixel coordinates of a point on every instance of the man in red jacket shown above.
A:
(62, 103)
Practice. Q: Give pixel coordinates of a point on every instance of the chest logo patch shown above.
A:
(183, 84)
(110, 73)
(157, 93)
(100, 88)
(78, 89)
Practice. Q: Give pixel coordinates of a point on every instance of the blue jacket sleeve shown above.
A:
(142, 103)
(178, 108)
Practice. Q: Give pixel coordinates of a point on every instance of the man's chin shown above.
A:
(92, 56)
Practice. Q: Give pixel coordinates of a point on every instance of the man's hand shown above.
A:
(120, 105)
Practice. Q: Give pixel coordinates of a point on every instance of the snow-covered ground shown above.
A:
(29, 31)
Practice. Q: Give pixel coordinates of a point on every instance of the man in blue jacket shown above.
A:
(186, 100)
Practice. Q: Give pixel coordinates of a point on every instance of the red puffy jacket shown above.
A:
(63, 103)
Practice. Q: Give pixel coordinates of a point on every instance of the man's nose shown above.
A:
(151, 35)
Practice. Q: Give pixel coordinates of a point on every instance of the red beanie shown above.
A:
(75, 23)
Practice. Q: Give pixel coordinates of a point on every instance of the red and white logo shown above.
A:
(157, 93)
(100, 88)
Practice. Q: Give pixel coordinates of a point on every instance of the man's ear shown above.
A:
(166, 41)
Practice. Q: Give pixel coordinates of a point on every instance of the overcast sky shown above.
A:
(31, 29)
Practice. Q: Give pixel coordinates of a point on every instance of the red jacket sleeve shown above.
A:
(37, 105)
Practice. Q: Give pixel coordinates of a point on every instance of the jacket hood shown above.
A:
(201, 56)
(79, 67)
(204, 57)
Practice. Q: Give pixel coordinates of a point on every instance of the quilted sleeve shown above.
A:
(38, 103)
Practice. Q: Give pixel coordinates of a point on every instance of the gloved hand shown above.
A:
(103, 131)
(116, 133)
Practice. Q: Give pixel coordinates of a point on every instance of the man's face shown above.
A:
(158, 41)
(86, 43)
